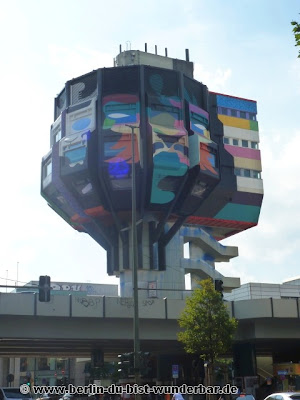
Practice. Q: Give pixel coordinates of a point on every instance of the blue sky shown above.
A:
(243, 48)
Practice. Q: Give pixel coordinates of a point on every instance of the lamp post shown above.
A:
(134, 263)
(17, 273)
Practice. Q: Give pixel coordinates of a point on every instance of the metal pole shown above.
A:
(134, 265)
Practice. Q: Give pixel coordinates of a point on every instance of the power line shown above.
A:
(13, 280)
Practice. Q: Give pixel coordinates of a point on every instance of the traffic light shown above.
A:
(219, 286)
(44, 288)
(126, 364)
(146, 366)
(198, 370)
(97, 358)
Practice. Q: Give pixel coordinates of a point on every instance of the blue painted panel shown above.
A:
(238, 104)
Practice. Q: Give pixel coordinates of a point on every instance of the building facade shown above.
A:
(145, 136)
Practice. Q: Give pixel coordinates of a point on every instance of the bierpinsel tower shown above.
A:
(143, 144)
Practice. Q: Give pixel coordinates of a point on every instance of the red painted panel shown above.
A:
(243, 152)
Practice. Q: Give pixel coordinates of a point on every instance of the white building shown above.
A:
(287, 290)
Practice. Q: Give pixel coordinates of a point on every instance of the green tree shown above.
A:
(296, 31)
(207, 329)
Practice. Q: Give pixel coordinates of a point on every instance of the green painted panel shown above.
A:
(253, 125)
(239, 212)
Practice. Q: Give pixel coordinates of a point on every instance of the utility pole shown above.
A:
(136, 333)
(6, 279)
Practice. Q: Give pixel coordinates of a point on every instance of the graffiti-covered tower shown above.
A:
(196, 161)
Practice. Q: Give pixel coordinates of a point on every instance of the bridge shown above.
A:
(75, 325)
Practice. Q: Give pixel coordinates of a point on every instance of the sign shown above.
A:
(81, 121)
(287, 369)
(175, 371)
(152, 286)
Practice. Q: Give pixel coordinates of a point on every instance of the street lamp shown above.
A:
(136, 336)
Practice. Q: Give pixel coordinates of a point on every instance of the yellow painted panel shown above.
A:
(235, 122)
(247, 163)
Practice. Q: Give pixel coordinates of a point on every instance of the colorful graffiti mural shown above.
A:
(122, 113)
(170, 144)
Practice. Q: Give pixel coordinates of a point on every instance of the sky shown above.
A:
(243, 48)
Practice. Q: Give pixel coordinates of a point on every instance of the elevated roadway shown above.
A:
(75, 325)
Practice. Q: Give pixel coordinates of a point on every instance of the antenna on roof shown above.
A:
(187, 55)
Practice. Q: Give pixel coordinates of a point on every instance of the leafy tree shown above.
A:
(296, 31)
(207, 329)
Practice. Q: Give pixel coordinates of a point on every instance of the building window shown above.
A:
(245, 143)
(57, 136)
(212, 159)
(61, 364)
(256, 174)
(252, 117)
(247, 173)
(27, 364)
(235, 142)
(224, 110)
(75, 153)
(242, 114)
(48, 169)
(233, 113)
(226, 140)
(254, 145)
(43, 364)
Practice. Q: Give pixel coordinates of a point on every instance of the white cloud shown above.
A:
(235, 270)
(215, 80)
(72, 62)
(281, 170)
(295, 72)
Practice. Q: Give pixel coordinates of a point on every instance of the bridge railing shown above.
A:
(27, 304)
